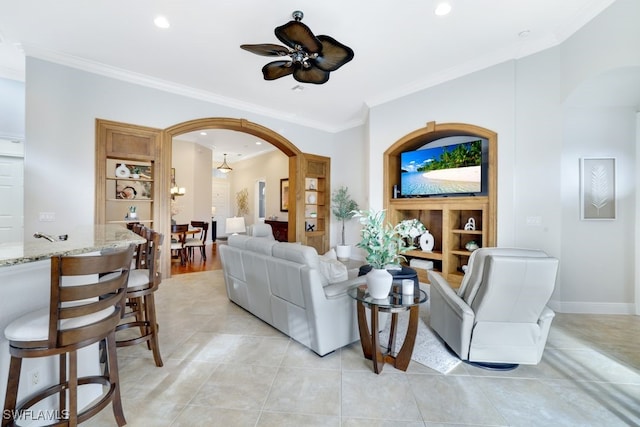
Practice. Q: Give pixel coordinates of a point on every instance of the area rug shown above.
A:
(429, 349)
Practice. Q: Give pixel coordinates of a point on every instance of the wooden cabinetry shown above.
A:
(445, 220)
(315, 202)
(126, 173)
(280, 230)
(444, 217)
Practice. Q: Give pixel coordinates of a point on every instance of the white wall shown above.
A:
(192, 163)
(349, 169)
(12, 104)
(598, 255)
(485, 99)
(272, 167)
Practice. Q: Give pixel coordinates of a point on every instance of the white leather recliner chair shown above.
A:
(498, 318)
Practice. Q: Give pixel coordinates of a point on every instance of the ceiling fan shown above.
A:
(311, 58)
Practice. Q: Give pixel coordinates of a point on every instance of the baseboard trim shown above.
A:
(591, 307)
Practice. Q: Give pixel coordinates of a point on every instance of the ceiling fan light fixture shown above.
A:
(224, 167)
(311, 58)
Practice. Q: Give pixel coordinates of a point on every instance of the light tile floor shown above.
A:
(224, 367)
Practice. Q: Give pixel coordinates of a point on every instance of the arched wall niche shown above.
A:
(239, 125)
(432, 132)
(444, 217)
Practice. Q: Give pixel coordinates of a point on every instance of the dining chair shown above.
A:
(199, 241)
(178, 240)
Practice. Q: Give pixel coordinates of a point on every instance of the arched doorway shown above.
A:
(239, 125)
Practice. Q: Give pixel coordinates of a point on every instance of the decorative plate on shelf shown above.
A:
(311, 198)
(123, 171)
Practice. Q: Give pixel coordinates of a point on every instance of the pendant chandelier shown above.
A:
(224, 167)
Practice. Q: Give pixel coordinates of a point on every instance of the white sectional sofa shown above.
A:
(293, 289)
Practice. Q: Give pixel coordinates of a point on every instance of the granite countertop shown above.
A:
(81, 240)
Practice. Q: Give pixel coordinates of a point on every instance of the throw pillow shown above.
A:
(330, 255)
(333, 270)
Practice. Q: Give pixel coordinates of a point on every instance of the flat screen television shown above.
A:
(455, 166)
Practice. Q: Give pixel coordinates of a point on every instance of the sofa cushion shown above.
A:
(297, 253)
(260, 245)
(238, 240)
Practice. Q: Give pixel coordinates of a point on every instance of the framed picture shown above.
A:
(132, 189)
(597, 188)
(284, 195)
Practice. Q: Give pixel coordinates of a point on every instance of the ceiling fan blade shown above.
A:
(266, 49)
(296, 33)
(334, 54)
(311, 75)
(276, 69)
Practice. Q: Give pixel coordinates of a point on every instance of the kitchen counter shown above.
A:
(79, 241)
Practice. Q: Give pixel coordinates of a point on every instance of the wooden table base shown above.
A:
(370, 340)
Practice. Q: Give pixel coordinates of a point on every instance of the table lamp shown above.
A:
(235, 225)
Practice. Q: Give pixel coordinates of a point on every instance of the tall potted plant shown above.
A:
(384, 245)
(343, 208)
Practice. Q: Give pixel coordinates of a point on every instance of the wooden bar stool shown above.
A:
(142, 284)
(84, 309)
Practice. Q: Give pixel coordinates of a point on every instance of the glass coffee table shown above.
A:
(395, 303)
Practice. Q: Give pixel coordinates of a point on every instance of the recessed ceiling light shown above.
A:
(258, 142)
(161, 22)
(443, 8)
(203, 133)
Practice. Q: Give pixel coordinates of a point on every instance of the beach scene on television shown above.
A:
(451, 169)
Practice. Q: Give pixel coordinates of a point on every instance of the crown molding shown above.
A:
(176, 88)
(12, 74)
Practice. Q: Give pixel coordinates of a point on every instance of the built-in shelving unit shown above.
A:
(444, 217)
(315, 192)
(134, 190)
(126, 173)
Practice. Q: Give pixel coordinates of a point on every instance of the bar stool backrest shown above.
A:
(85, 309)
(154, 240)
(141, 253)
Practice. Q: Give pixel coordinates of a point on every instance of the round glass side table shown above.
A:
(395, 303)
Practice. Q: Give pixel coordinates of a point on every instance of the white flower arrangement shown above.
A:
(411, 228)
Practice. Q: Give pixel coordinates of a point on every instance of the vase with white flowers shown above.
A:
(385, 245)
